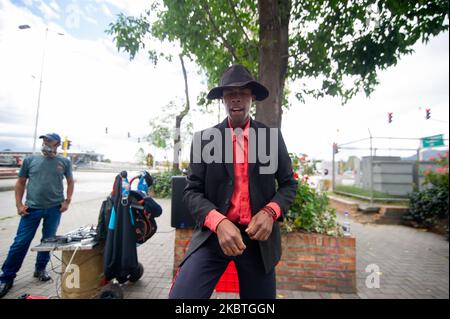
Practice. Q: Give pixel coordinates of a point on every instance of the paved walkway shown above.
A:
(412, 263)
(7, 184)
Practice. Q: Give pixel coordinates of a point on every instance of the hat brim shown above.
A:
(259, 90)
(50, 138)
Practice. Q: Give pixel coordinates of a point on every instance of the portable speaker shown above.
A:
(181, 218)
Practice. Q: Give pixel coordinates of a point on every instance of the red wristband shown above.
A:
(270, 211)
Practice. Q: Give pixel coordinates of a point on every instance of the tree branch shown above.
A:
(216, 29)
(179, 119)
(186, 90)
(238, 21)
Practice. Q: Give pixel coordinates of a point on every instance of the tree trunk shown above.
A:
(273, 57)
(178, 119)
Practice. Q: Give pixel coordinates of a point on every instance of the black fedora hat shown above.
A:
(238, 76)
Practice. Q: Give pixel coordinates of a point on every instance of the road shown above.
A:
(88, 186)
(91, 189)
(412, 263)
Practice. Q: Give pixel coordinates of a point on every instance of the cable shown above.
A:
(58, 281)
(53, 269)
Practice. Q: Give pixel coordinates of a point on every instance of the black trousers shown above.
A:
(200, 273)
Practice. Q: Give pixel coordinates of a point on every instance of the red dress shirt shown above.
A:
(240, 209)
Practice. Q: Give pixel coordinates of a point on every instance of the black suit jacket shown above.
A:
(210, 185)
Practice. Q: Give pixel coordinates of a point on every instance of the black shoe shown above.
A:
(4, 288)
(42, 275)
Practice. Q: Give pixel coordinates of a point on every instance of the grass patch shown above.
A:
(364, 192)
(353, 190)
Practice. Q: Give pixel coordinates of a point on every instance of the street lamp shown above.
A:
(24, 27)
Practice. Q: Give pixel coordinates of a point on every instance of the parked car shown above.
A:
(8, 160)
(348, 174)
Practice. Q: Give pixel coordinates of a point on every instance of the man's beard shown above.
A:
(48, 151)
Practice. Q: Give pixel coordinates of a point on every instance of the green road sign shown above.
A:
(433, 141)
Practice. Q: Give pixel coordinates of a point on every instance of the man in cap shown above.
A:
(44, 201)
(235, 204)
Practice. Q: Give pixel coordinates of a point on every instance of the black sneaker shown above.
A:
(42, 275)
(5, 287)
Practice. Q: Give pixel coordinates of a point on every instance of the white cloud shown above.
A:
(48, 11)
(90, 19)
(55, 6)
(134, 7)
(419, 81)
(106, 10)
(88, 86)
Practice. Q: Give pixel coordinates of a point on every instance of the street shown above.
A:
(412, 263)
(89, 186)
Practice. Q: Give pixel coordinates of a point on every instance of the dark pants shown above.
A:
(200, 273)
(25, 233)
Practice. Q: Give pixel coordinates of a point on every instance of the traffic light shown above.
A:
(390, 117)
(129, 135)
(66, 145)
(428, 114)
(139, 139)
(106, 130)
(335, 148)
(69, 144)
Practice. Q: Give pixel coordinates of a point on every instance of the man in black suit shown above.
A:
(232, 195)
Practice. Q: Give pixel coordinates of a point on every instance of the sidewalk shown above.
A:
(7, 184)
(412, 263)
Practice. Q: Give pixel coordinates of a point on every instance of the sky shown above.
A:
(89, 86)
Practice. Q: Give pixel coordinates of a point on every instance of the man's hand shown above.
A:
(64, 206)
(230, 238)
(22, 209)
(260, 226)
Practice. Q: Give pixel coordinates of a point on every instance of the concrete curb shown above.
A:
(6, 188)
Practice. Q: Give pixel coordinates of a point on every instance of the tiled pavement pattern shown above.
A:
(412, 263)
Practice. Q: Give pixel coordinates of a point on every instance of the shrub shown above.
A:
(162, 184)
(428, 206)
(438, 177)
(310, 212)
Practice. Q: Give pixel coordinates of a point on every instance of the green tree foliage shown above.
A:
(342, 45)
(162, 128)
(140, 156)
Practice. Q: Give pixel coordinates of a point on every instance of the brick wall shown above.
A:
(317, 263)
(310, 262)
(182, 238)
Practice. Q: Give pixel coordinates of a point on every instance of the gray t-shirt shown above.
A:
(45, 175)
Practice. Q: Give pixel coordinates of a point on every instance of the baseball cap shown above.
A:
(52, 137)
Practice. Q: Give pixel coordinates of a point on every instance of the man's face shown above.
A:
(49, 147)
(237, 104)
(51, 143)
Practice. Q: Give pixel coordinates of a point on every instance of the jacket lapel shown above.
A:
(229, 167)
(252, 147)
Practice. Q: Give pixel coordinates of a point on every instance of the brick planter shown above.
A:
(317, 262)
(310, 262)
(182, 238)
